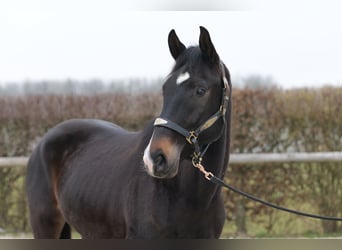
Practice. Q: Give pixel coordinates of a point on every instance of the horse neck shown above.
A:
(191, 181)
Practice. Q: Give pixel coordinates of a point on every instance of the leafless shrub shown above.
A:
(263, 120)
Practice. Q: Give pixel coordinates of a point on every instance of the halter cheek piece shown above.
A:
(192, 135)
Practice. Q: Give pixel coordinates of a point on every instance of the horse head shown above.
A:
(195, 98)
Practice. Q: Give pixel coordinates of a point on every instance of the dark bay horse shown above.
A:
(107, 182)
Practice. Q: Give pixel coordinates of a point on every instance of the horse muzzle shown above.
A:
(162, 155)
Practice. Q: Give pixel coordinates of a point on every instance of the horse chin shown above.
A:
(168, 175)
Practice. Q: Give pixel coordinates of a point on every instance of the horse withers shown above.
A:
(106, 182)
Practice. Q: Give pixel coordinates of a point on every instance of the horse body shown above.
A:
(104, 198)
(90, 174)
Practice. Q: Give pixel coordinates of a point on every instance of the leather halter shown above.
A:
(192, 135)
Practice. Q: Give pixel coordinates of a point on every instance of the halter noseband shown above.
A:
(192, 135)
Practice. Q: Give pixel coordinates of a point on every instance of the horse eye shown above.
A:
(201, 91)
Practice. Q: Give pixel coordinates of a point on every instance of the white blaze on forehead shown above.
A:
(182, 78)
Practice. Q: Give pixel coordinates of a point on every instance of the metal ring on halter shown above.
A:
(192, 137)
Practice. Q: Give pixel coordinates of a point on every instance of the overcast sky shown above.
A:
(298, 43)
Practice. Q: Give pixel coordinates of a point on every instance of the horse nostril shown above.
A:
(159, 160)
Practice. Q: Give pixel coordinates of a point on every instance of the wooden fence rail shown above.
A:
(234, 158)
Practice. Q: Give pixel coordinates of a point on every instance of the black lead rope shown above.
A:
(219, 182)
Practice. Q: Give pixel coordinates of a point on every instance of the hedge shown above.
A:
(263, 120)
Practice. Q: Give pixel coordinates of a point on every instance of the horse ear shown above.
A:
(207, 46)
(175, 45)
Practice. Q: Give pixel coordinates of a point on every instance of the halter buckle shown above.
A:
(192, 137)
